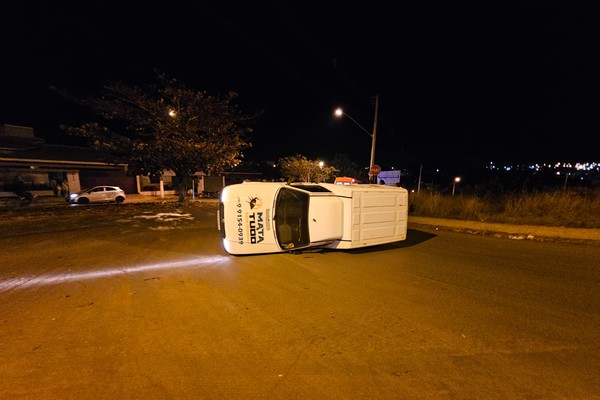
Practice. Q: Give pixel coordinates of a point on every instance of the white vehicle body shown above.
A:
(273, 217)
(98, 194)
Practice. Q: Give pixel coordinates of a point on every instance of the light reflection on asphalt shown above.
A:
(69, 276)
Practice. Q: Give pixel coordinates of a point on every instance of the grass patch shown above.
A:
(562, 208)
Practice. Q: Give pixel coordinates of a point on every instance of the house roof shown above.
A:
(20, 147)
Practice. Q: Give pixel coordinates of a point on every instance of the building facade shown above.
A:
(50, 169)
(57, 170)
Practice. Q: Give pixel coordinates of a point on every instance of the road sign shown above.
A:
(375, 170)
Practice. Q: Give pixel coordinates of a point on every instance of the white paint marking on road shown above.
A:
(166, 217)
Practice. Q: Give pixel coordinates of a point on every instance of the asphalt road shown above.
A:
(141, 301)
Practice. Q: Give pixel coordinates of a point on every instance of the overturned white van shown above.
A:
(273, 217)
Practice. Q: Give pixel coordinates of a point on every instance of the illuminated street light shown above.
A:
(312, 173)
(339, 113)
(456, 180)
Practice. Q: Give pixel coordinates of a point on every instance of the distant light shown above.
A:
(172, 113)
(339, 112)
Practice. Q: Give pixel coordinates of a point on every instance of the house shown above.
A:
(45, 167)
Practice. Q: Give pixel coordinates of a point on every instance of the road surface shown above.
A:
(141, 302)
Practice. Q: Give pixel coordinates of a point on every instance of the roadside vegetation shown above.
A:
(573, 209)
(298, 168)
(168, 126)
(163, 127)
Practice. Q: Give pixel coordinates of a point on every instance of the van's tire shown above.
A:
(83, 200)
(120, 199)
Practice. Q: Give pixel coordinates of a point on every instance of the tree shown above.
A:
(299, 168)
(166, 127)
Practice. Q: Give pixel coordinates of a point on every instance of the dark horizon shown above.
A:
(459, 84)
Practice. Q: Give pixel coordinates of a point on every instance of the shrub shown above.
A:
(563, 208)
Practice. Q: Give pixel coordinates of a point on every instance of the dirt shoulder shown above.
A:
(528, 232)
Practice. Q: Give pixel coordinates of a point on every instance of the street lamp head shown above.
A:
(457, 179)
(339, 112)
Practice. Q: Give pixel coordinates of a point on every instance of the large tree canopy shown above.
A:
(300, 168)
(166, 127)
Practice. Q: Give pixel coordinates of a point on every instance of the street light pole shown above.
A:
(456, 180)
(339, 112)
(373, 138)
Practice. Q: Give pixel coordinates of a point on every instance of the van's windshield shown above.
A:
(291, 218)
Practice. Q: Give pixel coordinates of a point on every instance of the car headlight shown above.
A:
(72, 196)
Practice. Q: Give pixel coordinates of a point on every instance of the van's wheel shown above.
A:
(83, 200)
(119, 199)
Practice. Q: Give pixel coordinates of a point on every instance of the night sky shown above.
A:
(467, 82)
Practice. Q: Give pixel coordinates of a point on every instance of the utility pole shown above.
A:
(373, 136)
(420, 172)
(339, 112)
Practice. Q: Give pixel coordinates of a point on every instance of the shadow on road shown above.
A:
(413, 237)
